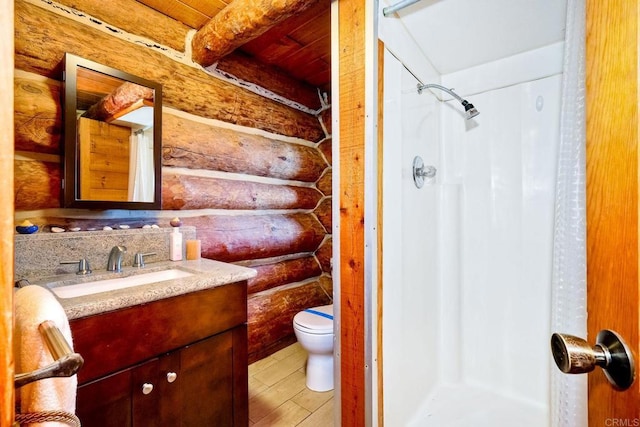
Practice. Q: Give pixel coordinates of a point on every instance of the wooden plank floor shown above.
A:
(278, 395)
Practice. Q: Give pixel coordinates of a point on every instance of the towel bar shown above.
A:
(66, 363)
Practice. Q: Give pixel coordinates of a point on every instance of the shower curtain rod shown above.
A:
(398, 6)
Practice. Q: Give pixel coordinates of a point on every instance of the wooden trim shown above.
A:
(351, 65)
(612, 194)
(6, 221)
(238, 23)
(380, 284)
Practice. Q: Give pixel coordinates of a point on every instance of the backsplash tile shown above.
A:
(40, 254)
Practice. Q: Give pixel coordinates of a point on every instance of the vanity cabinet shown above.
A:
(180, 361)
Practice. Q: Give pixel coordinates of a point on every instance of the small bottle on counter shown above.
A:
(175, 245)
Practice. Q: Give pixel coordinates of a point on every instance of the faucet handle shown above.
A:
(83, 266)
(138, 259)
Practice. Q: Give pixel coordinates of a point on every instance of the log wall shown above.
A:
(251, 174)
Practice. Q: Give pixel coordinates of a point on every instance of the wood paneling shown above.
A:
(104, 160)
(324, 254)
(299, 33)
(37, 185)
(273, 311)
(38, 114)
(196, 192)
(323, 212)
(282, 273)
(244, 237)
(6, 217)
(325, 183)
(236, 235)
(185, 88)
(134, 17)
(271, 77)
(194, 13)
(238, 23)
(352, 198)
(612, 195)
(198, 145)
(167, 23)
(326, 148)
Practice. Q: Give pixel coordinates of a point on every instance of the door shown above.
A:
(106, 402)
(104, 160)
(612, 196)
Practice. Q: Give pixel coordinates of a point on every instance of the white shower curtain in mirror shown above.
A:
(141, 182)
(569, 287)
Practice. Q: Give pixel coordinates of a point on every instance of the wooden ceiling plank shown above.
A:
(306, 70)
(322, 80)
(209, 8)
(319, 27)
(289, 26)
(240, 22)
(179, 11)
(305, 55)
(135, 17)
(274, 54)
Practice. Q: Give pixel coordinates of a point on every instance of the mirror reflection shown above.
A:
(115, 142)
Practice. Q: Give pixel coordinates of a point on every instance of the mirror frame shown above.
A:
(70, 179)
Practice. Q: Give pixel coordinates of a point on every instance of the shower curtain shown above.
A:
(569, 294)
(141, 182)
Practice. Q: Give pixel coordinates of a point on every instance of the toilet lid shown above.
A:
(315, 320)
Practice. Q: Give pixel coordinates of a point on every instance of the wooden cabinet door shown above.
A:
(146, 395)
(106, 402)
(207, 382)
(169, 381)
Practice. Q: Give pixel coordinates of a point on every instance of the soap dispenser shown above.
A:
(175, 244)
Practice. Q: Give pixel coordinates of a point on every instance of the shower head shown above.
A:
(470, 110)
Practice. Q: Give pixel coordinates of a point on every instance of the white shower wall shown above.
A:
(505, 170)
(410, 266)
(467, 258)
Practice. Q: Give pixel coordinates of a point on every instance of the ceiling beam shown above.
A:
(240, 22)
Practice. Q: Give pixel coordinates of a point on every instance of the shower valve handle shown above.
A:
(574, 355)
(427, 171)
(422, 171)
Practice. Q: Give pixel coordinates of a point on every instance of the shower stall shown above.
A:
(468, 255)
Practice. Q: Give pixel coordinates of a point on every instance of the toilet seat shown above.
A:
(317, 320)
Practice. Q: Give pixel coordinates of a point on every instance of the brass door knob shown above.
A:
(573, 355)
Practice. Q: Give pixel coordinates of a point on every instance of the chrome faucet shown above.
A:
(115, 259)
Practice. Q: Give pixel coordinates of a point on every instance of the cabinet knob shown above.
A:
(171, 376)
(147, 388)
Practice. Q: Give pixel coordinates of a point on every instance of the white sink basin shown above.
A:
(89, 288)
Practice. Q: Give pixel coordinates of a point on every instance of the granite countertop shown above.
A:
(206, 274)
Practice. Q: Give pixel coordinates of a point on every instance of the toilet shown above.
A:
(314, 330)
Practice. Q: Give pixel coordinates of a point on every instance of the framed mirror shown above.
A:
(112, 138)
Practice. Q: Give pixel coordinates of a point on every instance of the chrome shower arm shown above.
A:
(469, 110)
(422, 87)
